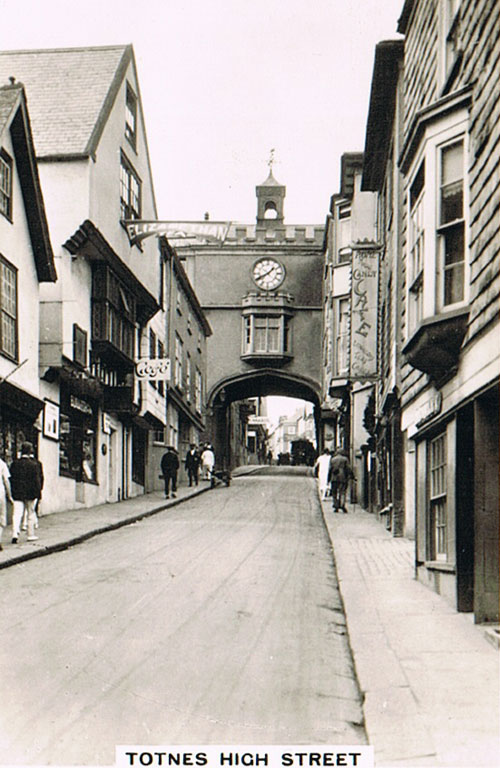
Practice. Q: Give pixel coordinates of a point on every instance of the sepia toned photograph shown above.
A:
(249, 383)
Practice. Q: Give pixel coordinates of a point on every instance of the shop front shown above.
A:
(19, 412)
(78, 435)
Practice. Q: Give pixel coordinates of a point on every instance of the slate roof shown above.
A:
(8, 98)
(14, 118)
(70, 92)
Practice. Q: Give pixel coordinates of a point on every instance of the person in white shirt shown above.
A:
(322, 467)
(5, 496)
(207, 462)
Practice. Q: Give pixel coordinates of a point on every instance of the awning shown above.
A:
(19, 399)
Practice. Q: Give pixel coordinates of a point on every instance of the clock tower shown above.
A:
(270, 199)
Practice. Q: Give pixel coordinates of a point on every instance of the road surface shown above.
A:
(215, 622)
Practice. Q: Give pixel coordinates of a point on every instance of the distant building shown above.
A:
(350, 316)
(260, 287)
(186, 345)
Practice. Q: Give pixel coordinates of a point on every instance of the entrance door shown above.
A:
(112, 494)
(486, 556)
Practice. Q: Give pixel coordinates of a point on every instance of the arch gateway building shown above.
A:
(260, 287)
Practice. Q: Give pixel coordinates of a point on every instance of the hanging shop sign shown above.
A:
(364, 290)
(80, 405)
(213, 231)
(156, 369)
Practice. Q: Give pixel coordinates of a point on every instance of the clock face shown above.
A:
(268, 274)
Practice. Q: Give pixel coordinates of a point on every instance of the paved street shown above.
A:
(216, 621)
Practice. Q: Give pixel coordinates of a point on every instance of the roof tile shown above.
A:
(66, 90)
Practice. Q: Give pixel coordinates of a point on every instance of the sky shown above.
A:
(225, 81)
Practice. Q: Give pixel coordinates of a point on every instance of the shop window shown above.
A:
(79, 346)
(5, 185)
(77, 439)
(130, 191)
(437, 500)
(131, 116)
(8, 309)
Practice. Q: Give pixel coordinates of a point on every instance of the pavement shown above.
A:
(428, 676)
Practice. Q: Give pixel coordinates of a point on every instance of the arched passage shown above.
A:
(260, 383)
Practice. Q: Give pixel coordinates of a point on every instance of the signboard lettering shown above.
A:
(156, 369)
(364, 313)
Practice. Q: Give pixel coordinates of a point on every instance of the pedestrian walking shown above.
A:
(26, 483)
(340, 473)
(169, 467)
(192, 464)
(5, 497)
(321, 470)
(207, 461)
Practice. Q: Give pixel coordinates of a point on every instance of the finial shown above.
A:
(271, 160)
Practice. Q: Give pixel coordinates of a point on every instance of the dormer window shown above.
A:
(131, 117)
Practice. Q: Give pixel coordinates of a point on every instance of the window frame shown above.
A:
(6, 187)
(444, 130)
(131, 109)
(80, 346)
(438, 511)
(13, 317)
(283, 326)
(342, 338)
(129, 209)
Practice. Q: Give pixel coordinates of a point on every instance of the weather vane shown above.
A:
(271, 160)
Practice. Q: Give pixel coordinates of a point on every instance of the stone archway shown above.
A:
(260, 383)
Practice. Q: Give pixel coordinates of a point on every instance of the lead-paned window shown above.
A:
(8, 309)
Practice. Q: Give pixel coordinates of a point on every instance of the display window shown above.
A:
(78, 438)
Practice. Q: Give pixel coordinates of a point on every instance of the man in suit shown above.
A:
(26, 482)
(192, 464)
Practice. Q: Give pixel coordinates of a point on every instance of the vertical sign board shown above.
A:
(364, 297)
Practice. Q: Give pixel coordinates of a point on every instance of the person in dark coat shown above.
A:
(26, 482)
(192, 464)
(339, 474)
(169, 467)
